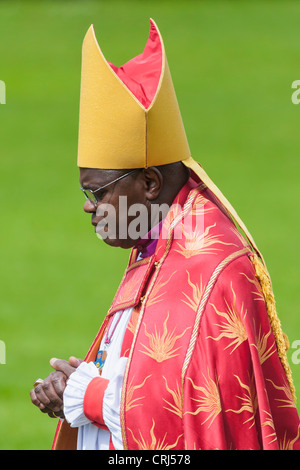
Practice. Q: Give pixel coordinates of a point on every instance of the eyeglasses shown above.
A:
(90, 195)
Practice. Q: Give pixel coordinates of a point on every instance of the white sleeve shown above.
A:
(111, 403)
(74, 395)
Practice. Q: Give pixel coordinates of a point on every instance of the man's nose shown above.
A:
(89, 207)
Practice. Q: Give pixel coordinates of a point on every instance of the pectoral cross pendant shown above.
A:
(100, 360)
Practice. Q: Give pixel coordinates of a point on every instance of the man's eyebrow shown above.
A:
(92, 186)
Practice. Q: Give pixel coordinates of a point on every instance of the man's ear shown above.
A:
(154, 182)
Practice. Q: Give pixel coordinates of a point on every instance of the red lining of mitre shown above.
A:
(141, 74)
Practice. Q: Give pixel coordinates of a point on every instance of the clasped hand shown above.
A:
(48, 395)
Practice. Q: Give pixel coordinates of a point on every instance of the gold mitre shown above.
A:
(129, 115)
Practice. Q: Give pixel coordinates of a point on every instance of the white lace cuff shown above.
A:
(74, 393)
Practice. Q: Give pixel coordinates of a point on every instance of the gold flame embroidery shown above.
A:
(156, 295)
(176, 406)
(258, 292)
(269, 422)
(261, 346)
(130, 401)
(249, 401)
(233, 327)
(161, 344)
(289, 401)
(288, 444)
(154, 444)
(201, 243)
(210, 401)
(198, 210)
(197, 292)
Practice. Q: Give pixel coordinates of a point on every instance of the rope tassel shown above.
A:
(281, 338)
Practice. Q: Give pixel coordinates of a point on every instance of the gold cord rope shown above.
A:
(280, 337)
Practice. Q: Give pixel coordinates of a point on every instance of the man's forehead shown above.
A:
(90, 177)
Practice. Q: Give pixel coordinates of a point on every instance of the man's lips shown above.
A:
(94, 222)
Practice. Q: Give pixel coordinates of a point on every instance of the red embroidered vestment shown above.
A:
(203, 370)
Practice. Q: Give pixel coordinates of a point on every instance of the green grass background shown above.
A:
(233, 63)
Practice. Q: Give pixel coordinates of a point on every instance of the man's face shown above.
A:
(116, 198)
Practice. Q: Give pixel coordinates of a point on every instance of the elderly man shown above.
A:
(191, 354)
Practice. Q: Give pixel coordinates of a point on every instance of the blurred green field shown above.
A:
(232, 64)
